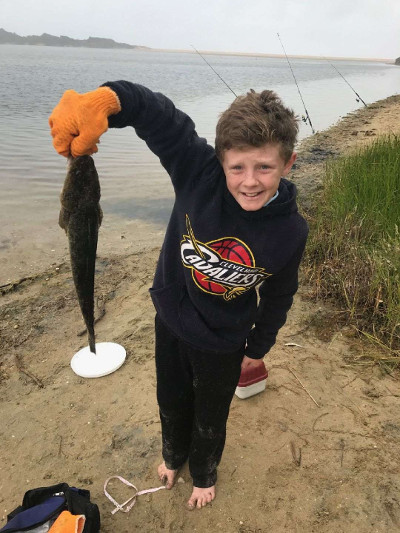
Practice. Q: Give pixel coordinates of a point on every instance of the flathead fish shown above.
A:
(80, 217)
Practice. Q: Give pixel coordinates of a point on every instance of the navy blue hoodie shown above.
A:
(215, 253)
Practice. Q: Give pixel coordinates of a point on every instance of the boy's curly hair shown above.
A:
(256, 119)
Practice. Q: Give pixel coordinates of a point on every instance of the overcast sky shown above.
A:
(347, 28)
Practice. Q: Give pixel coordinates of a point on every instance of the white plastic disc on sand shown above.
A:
(108, 358)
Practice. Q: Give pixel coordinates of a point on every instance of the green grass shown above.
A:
(353, 254)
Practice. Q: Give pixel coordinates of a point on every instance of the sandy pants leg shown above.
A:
(215, 377)
(174, 396)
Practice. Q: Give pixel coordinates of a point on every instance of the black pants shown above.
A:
(194, 393)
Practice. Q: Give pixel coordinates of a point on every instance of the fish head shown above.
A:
(81, 187)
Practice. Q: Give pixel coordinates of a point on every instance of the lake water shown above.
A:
(136, 194)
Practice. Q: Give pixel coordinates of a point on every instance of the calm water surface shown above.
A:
(134, 186)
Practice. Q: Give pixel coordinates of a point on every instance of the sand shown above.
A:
(272, 56)
(317, 451)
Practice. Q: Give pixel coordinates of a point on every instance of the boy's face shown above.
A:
(253, 174)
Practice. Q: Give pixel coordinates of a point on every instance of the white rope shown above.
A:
(126, 506)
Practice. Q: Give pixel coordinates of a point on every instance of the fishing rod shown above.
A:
(307, 117)
(213, 70)
(340, 74)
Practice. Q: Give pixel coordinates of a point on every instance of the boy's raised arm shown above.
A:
(167, 131)
(78, 121)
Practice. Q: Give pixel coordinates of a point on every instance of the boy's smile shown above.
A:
(253, 174)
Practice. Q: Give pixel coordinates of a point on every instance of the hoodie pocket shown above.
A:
(166, 300)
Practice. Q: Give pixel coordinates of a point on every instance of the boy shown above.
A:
(234, 225)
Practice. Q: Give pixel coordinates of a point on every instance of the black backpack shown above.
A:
(46, 503)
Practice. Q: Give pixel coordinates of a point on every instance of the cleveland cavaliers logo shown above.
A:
(224, 267)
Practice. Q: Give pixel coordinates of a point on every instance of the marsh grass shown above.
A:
(353, 254)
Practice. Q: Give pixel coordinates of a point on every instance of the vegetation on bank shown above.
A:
(353, 253)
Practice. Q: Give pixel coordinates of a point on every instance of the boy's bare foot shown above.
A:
(166, 475)
(200, 497)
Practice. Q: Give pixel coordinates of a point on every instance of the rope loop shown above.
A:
(130, 502)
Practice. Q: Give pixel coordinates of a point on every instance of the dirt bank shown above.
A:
(316, 452)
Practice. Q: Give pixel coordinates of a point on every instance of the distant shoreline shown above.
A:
(139, 48)
(63, 41)
(278, 56)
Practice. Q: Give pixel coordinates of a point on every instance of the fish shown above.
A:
(80, 217)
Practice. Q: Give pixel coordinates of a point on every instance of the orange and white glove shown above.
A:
(78, 120)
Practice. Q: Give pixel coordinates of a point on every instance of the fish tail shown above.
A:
(92, 342)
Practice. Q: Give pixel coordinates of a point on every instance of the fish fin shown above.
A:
(63, 219)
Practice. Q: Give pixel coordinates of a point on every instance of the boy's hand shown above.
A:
(247, 362)
(78, 120)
